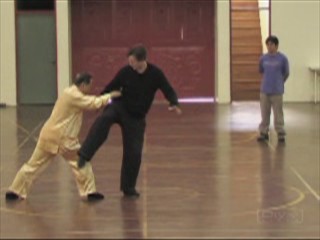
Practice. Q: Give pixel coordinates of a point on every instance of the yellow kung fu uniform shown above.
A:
(59, 136)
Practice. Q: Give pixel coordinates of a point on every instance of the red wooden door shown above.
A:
(179, 36)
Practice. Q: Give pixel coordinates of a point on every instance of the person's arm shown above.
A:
(285, 69)
(169, 93)
(168, 90)
(116, 82)
(91, 102)
(261, 70)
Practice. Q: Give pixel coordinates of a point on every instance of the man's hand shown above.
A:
(176, 109)
(115, 94)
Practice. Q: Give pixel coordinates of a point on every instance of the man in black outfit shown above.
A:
(138, 82)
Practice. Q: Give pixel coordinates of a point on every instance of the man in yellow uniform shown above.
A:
(59, 136)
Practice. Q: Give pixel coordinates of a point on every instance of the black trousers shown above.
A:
(132, 137)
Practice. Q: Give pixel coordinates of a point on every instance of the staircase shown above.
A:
(246, 49)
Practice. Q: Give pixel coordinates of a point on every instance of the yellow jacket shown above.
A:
(61, 130)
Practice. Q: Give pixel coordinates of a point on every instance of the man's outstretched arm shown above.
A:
(169, 94)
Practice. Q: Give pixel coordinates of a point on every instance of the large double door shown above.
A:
(179, 36)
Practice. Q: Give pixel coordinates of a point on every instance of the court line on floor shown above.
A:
(29, 136)
(273, 148)
(296, 173)
(300, 198)
(306, 184)
(23, 129)
(17, 124)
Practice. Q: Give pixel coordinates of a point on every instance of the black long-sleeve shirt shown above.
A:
(138, 90)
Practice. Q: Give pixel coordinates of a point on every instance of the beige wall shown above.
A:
(64, 45)
(7, 53)
(299, 36)
(222, 54)
(264, 22)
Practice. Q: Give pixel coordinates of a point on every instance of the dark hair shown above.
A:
(83, 78)
(139, 52)
(272, 39)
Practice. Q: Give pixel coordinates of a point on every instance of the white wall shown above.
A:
(264, 21)
(296, 23)
(222, 55)
(7, 53)
(64, 45)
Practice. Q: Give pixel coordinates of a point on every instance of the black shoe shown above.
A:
(11, 196)
(95, 197)
(263, 137)
(131, 193)
(281, 138)
(81, 162)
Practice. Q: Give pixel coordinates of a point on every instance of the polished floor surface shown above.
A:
(203, 176)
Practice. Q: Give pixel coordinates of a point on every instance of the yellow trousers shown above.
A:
(40, 159)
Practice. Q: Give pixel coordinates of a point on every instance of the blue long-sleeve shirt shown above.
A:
(275, 71)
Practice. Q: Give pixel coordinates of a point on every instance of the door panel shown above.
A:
(178, 35)
(37, 59)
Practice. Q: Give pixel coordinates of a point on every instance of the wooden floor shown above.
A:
(203, 176)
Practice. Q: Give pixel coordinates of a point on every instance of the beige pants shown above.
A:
(276, 103)
(39, 160)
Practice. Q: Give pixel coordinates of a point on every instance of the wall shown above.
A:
(63, 45)
(7, 53)
(301, 21)
(222, 54)
(8, 57)
(222, 48)
(299, 36)
(264, 21)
